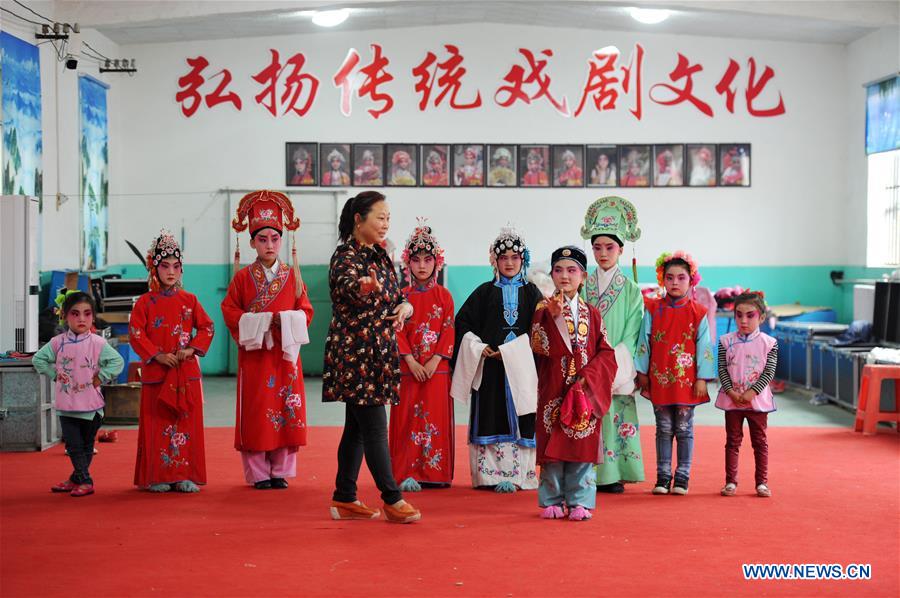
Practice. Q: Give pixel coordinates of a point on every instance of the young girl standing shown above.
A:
(747, 361)
(494, 369)
(78, 361)
(674, 360)
(576, 369)
(170, 435)
(421, 430)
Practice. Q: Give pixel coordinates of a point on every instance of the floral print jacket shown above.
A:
(362, 363)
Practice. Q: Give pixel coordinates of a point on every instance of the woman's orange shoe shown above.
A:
(352, 510)
(403, 512)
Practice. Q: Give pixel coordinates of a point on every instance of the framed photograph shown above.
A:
(300, 163)
(403, 165)
(734, 164)
(634, 165)
(534, 165)
(334, 164)
(602, 162)
(468, 165)
(568, 166)
(501, 165)
(668, 165)
(701, 165)
(434, 165)
(368, 165)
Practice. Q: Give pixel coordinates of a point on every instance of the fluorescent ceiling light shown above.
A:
(649, 16)
(330, 18)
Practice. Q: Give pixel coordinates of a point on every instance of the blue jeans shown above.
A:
(566, 482)
(677, 421)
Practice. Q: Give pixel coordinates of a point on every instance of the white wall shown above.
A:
(61, 130)
(873, 57)
(167, 166)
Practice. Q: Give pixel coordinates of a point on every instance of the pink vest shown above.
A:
(746, 360)
(77, 362)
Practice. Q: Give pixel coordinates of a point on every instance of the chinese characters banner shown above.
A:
(611, 82)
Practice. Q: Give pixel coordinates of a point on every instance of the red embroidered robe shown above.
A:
(421, 431)
(170, 431)
(563, 355)
(271, 400)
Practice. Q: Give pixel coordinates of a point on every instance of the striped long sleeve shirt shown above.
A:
(764, 379)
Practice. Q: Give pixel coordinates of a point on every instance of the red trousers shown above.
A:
(734, 424)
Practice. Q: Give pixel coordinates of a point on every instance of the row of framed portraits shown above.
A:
(312, 164)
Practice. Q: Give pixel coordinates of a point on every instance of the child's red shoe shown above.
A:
(65, 486)
(82, 490)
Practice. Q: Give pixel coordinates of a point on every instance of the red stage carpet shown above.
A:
(835, 500)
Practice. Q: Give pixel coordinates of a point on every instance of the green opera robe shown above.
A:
(622, 307)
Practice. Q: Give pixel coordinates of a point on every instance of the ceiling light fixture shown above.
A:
(330, 18)
(649, 16)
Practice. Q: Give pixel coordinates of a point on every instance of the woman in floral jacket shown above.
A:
(362, 363)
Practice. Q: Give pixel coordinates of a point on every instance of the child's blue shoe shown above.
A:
(505, 488)
(410, 485)
(187, 486)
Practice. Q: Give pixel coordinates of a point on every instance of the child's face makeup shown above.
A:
(509, 263)
(606, 252)
(422, 266)
(80, 318)
(267, 244)
(168, 272)
(677, 281)
(747, 318)
(567, 276)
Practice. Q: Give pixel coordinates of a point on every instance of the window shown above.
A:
(884, 210)
(883, 197)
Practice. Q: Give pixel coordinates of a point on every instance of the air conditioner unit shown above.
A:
(18, 273)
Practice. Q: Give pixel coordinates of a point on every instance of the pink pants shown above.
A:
(265, 465)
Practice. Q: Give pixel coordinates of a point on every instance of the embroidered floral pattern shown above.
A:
(621, 445)
(550, 418)
(540, 342)
(682, 370)
(580, 431)
(171, 455)
(65, 374)
(362, 364)
(550, 414)
(425, 338)
(430, 457)
(292, 403)
(499, 455)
